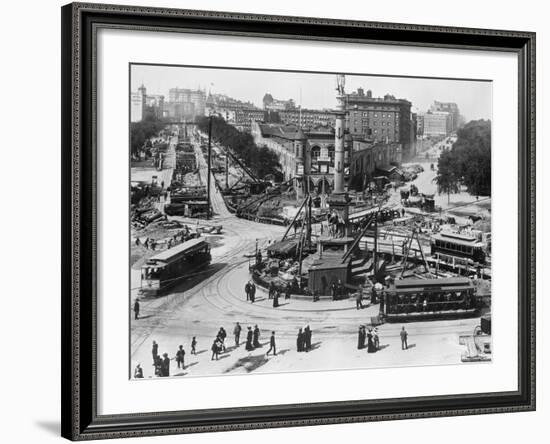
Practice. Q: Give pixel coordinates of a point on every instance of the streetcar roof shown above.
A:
(457, 239)
(171, 253)
(450, 283)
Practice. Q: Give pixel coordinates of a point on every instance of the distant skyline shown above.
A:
(315, 90)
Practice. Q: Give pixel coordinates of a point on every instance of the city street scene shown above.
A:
(293, 221)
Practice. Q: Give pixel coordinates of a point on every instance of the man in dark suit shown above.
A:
(136, 309)
(272, 346)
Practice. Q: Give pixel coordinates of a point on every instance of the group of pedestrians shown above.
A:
(303, 340)
(250, 290)
(162, 364)
(253, 338)
(218, 346)
(369, 338)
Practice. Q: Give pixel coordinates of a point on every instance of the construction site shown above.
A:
(393, 254)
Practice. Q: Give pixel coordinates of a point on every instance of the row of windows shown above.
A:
(454, 247)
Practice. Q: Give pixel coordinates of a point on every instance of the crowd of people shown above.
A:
(368, 337)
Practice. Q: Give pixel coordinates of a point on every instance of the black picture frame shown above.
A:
(80, 22)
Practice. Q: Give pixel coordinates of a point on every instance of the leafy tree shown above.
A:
(142, 131)
(468, 162)
(261, 160)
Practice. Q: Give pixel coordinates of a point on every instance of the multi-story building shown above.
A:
(437, 123)
(368, 157)
(309, 152)
(305, 118)
(273, 104)
(381, 119)
(186, 104)
(452, 109)
(142, 104)
(136, 107)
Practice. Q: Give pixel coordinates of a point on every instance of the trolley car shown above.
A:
(168, 268)
(454, 244)
(430, 298)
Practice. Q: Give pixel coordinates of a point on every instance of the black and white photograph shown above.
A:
(287, 221)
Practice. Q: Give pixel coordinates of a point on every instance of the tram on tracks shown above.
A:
(168, 268)
(458, 245)
(415, 299)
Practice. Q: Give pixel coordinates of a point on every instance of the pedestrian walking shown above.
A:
(180, 357)
(155, 350)
(300, 341)
(403, 333)
(194, 346)
(359, 298)
(247, 290)
(307, 338)
(157, 363)
(276, 299)
(249, 335)
(136, 309)
(376, 338)
(138, 372)
(370, 342)
(215, 350)
(165, 366)
(271, 291)
(272, 346)
(252, 292)
(222, 334)
(361, 338)
(256, 342)
(333, 291)
(237, 333)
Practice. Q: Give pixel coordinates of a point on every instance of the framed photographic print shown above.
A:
(280, 221)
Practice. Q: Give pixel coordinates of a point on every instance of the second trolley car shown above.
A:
(170, 267)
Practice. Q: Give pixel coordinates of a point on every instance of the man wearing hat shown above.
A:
(165, 365)
(136, 309)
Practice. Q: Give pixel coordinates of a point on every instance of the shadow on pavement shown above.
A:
(315, 345)
(248, 363)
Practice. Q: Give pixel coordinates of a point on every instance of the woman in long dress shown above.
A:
(249, 345)
(370, 342)
(361, 338)
(300, 341)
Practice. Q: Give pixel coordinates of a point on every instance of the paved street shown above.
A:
(204, 303)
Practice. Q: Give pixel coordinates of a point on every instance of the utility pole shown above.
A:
(226, 171)
(209, 166)
(375, 251)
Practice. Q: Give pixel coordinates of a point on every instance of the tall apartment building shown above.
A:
(186, 104)
(381, 119)
(452, 109)
(437, 123)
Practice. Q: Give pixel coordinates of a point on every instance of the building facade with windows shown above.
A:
(437, 124)
(142, 104)
(185, 104)
(381, 120)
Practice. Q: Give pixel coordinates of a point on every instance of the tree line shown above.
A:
(468, 162)
(142, 131)
(261, 160)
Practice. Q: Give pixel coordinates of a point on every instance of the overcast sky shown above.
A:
(317, 91)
